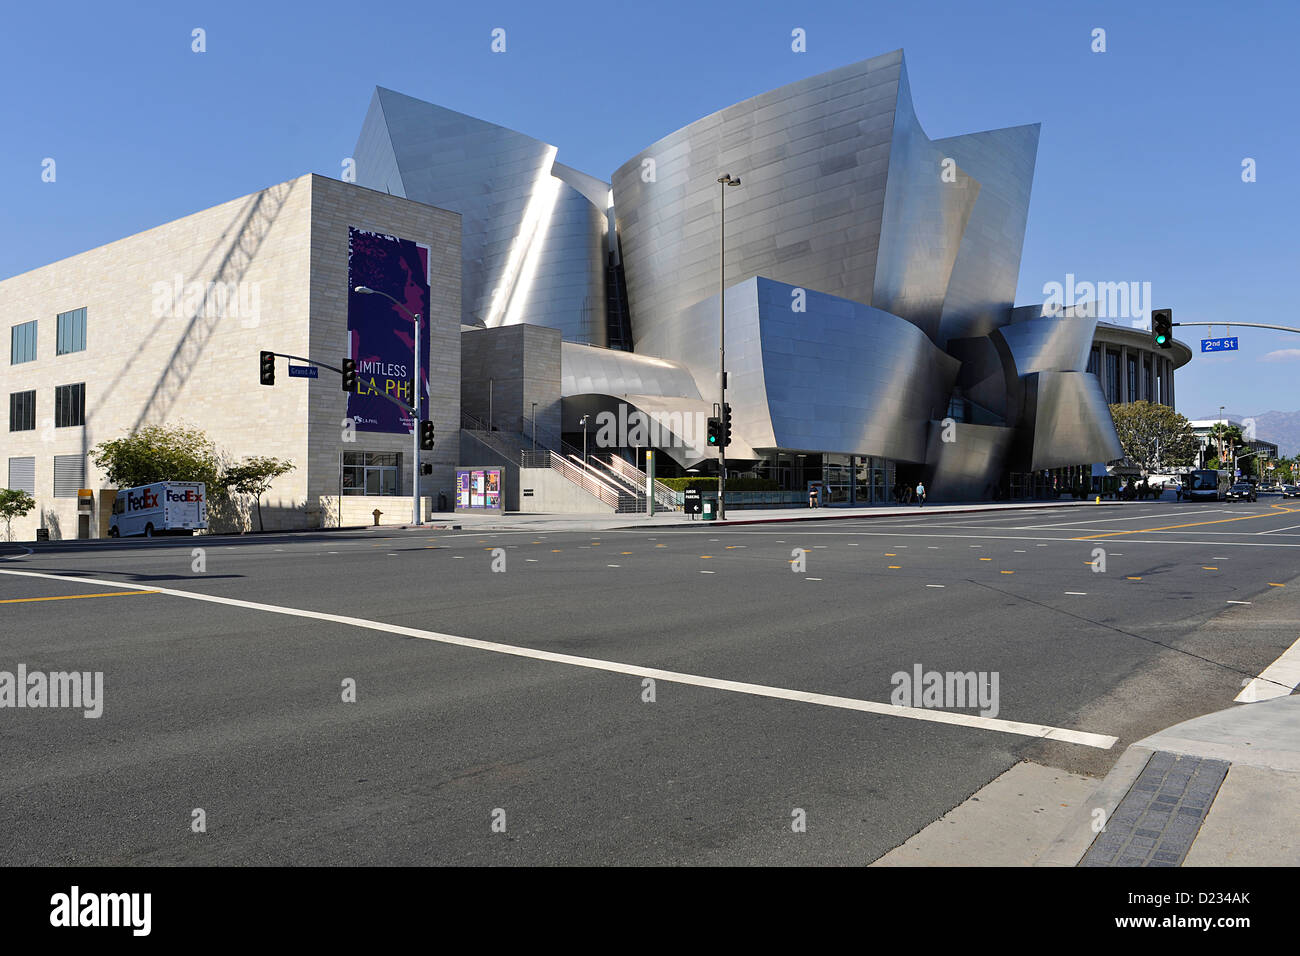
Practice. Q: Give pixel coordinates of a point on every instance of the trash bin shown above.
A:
(710, 509)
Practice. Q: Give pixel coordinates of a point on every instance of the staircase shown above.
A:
(615, 482)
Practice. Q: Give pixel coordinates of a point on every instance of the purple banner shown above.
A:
(380, 335)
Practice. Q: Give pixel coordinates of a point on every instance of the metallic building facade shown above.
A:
(535, 235)
(870, 276)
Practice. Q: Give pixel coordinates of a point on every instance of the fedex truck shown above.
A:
(165, 507)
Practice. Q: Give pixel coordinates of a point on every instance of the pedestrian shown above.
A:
(812, 496)
(920, 494)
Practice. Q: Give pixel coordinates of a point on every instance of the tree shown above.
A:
(1226, 438)
(1154, 436)
(161, 453)
(14, 504)
(253, 476)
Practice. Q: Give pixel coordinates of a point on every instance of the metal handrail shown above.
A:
(664, 496)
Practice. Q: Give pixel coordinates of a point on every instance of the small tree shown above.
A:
(253, 476)
(14, 504)
(1154, 435)
(160, 453)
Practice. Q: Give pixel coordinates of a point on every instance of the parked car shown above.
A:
(1291, 491)
(1241, 491)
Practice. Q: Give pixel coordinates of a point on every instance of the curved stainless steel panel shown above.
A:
(1049, 344)
(970, 466)
(584, 369)
(837, 377)
(534, 243)
(1070, 420)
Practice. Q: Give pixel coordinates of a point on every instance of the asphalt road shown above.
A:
(237, 709)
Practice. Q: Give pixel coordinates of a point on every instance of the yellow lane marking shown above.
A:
(1205, 568)
(1006, 572)
(1272, 585)
(895, 567)
(74, 597)
(661, 545)
(986, 559)
(1194, 524)
(625, 552)
(555, 550)
(706, 556)
(1131, 578)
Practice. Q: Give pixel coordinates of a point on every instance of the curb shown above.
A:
(1077, 836)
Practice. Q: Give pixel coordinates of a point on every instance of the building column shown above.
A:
(1123, 374)
(1171, 384)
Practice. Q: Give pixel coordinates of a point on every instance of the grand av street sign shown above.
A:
(1219, 345)
(311, 371)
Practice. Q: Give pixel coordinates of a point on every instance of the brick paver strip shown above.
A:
(1156, 822)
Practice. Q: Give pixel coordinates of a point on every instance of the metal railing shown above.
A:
(665, 497)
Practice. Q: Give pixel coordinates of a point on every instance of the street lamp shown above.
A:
(415, 403)
(724, 181)
(583, 423)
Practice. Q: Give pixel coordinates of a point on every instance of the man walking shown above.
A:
(920, 494)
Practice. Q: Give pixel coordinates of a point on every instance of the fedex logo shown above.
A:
(141, 502)
(189, 494)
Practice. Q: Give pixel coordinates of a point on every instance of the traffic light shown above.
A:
(1162, 328)
(715, 432)
(426, 435)
(726, 424)
(268, 368)
(349, 375)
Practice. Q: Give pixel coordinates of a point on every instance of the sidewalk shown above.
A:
(520, 521)
(1219, 790)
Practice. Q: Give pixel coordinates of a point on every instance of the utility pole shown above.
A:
(724, 180)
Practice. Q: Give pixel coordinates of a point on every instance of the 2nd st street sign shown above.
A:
(1219, 345)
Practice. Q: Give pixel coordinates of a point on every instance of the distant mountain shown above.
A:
(1281, 428)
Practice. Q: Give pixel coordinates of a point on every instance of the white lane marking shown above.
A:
(708, 572)
(932, 547)
(1276, 530)
(458, 557)
(1101, 741)
(1080, 593)
(936, 585)
(812, 579)
(1277, 680)
(1019, 551)
(854, 544)
(608, 565)
(1241, 602)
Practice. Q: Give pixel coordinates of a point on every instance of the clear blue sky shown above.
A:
(1139, 167)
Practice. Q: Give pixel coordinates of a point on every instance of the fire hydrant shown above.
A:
(376, 513)
(1098, 501)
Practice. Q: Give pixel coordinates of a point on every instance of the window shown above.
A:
(1133, 378)
(70, 405)
(22, 411)
(370, 473)
(22, 474)
(69, 475)
(22, 343)
(1112, 376)
(71, 332)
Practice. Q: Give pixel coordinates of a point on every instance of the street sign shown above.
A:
(1219, 345)
(304, 371)
(692, 501)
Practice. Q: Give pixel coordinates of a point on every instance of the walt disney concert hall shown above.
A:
(869, 271)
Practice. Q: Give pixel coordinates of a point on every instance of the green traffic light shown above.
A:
(1160, 339)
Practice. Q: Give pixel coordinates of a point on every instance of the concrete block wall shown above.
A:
(150, 360)
(521, 364)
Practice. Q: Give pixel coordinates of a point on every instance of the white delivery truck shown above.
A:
(165, 507)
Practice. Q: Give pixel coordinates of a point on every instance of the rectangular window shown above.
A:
(70, 405)
(22, 343)
(1133, 379)
(69, 475)
(71, 333)
(370, 473)
(22, 411)
(22, 474)
(1112, 377)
